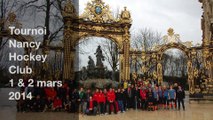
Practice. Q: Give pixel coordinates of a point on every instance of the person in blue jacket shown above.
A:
(172, 97)
(165, 97)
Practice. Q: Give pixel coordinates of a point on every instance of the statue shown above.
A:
(196, 75)
(159, 68)
(84, 73)
(91, 64)
(134, 75)
(155, 76)
(189, 66)
(99, 57)
(143, 69)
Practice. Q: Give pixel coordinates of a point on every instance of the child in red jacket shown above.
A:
(111, 100)
(91, 110)
(143, 98)
(57, 104)
(95, 96)
(96, 99)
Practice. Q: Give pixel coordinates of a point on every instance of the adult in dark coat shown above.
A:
(136, 94)
(124, 92)
(180, 97)
(130, 97)
(75, 99)
(176, 89)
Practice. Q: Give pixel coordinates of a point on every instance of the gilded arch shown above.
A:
(97, 21)
(172, 41)
(115, 38)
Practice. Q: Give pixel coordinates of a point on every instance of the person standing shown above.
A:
(143, 98)
(175, 88)
(82, 98)
(75, 101)
(106, 101)
(124, 99)
(156, 97)
(111, 100)
(180, 97)
(160, 94)
(119, 98)
(136, 93)
(102, 102)
(165, 98)
(90, 107)
(129, 97)
(172, 97)
(150, 99)
(96, 100)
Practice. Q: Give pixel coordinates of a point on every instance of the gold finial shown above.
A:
(170, 31)
(69, 9)
(11, 17)
(125, 16)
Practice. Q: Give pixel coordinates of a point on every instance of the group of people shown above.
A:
(138, 96)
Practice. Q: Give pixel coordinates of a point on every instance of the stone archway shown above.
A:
(96, 21)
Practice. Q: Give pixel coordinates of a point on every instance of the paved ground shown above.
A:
(7, 108)
(193, 112)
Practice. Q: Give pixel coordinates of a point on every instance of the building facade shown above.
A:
(207, 28)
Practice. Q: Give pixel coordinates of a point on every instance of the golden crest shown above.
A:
(97, 11)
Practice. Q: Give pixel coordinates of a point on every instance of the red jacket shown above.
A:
(50, 92)
(143, 94)
(57, 103)
(101, 98)
(95, 96)
(111, 96)
(91, 105)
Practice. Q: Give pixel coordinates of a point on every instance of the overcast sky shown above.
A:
(184, 16)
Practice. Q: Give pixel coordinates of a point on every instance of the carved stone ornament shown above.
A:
(69, 10)
(98, 11)
(125, 16)
(171, 37)
(11, 21)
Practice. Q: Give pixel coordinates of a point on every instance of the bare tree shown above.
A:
(145, 39)
(111, 53)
